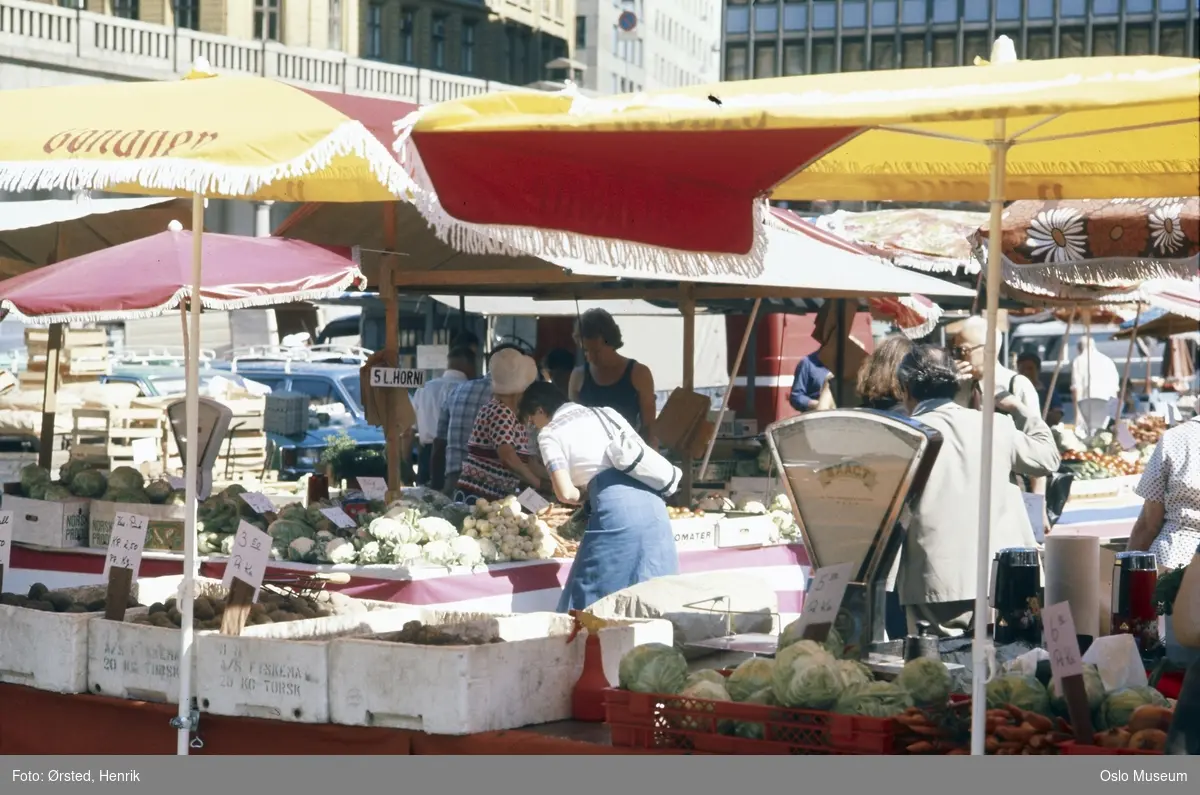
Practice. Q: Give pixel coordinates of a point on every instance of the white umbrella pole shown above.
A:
(1062, 355)
(192, 483)
(979, 650)
(737, 365)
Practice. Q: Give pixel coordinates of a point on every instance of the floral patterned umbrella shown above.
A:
(1073, 249)
(918, 238)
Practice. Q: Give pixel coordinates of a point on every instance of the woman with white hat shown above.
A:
(497, 461)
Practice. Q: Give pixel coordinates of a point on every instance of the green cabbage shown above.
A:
(653, 668)
(873, 700)
(234, 491)
(68, 471)
(800, 648)
(1118, 706)
(88, 483)
(1025, 692)
(136, 497)
(1092, 684)
(706, 690)
(927, 681)
(709, 691)
(854, 673)
(793, 633)
(749, 729)
(808, 681)
(293, 511)
(34, 478)
(706, 675)
(126, 479)
(749, 677)
(56, 492)
(159, 491)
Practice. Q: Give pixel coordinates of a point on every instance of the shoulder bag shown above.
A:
(628, 454)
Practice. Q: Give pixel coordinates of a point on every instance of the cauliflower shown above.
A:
(227, 545)
(301, 550)
(781, 503)
(753, 506)
(545, 547)
(370, 553)
(488, 551)
(466, 550)
(406, 554)
(439, 553)
(434, 528)
(339, 550)
(393, 531)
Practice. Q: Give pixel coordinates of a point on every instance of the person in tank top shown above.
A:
(610, 380)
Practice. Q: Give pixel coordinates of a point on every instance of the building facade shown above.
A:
(675, 43)
(768, 38)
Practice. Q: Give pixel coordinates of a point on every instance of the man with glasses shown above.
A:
(968, 347)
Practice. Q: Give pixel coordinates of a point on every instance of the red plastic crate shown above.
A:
(647, 720)
(1071, 748)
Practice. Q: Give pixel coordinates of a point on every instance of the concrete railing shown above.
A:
(69, 39)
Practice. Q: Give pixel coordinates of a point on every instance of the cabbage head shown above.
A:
(810, 681)
(88, 483)
(927, 681)
(126, 479)
(750, 677)
(1092, 684)
(284, 531)
(706, 675)
(68, 471)
(1118, 706)
(234, 491)
(135, 497)
(653, 668)
(34, 477)
(1025, 692)
(294, 512)
(159, 491)
(749, 729)
(874, 700)
(854, 673)
(793, 632)
(800, 648)
(56, 492)
(709, 691)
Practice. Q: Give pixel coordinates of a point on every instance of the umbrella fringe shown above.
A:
(206, 178)
(335, 290)
(519, 241)
(1114, 273)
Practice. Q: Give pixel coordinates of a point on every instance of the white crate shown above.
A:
(47, 524)
(47, 651)
(741, 530)
(1105, 488)
(457, 690)
(698, 533)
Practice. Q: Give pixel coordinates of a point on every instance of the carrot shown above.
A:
(1016, 712)
(1018, 734)
(1039, 722)
(920, 748)
(1010, 745)
(1065, 727)
(991, 745)
(999, 713)
(958, 752)
(1005, 752)
(911, 720)
(926, 731)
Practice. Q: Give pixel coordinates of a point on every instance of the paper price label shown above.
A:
(373, 488)
(824, 597)
(126, 542)
(1061, 642)
(259, 503)
(339, 518)
(248, 557)
(6, 537)
(1035, 506)
(1125, 436)
(532, 501)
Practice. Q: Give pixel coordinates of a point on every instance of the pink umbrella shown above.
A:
(153, 275)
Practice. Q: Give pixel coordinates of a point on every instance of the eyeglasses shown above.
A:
(962, 352)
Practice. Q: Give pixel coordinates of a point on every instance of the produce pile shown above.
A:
(80, 480)
(1097, 465)
(418, 634)
(1100, 455)
(271, 608)
(42, 598)
(1148, 429)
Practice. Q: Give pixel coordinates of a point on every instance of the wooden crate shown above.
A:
(38, 339)
(106, 437)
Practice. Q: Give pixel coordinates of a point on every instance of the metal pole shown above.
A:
(842, 339)
(737, 365)
(1137, 321)
(1062, 355)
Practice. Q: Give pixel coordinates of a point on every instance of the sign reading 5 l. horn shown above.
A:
(397, 377)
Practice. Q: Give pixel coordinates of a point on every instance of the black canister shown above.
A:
(1016, 588)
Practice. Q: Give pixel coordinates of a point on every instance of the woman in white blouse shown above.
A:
(628, 538)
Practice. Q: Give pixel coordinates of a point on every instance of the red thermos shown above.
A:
(1135, 575)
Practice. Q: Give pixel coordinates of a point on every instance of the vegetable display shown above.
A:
(81, 480)
(1025, 692)
(653, 668)
(927, 680)
(1092, 684)
(416, 633)
(271, 608)
(42, 598)
(514, 534)
(750, 677)
(1118, 707)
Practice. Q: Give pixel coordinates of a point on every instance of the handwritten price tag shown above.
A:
(1125, 436)
(373, 488)
(126, 542)
(824, 597)
(1061, 641)
(259, 503)
(6, 537)
(248, 558)
(532, 501)
(1035, 506)
(339, 517)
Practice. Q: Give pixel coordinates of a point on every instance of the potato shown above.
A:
(1148, 740)
(202, 609)
(1150, 716)
(157, 607)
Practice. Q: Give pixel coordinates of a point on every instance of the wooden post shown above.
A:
(116, 599)
(843, 336)
(687, 305)
(1063, 351)
(50, 395)
(737, 365)
(237, 607)
(392, 432)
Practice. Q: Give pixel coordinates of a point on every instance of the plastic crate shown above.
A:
(286, 413)
(655, 721)
(1071, 748)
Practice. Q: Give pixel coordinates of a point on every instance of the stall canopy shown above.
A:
(1175, 309)
(935, 241)
(512, 306)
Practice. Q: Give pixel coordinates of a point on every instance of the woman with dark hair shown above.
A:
(937, 566)
(610, 380)
(878, 378)
(628, 538)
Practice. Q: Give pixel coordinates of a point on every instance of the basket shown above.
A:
(1071, 748)
(661, 722)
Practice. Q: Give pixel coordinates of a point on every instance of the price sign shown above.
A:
(373, 488)
(339, 518)
(145, 451)
(1125, 436)
(1061, 641)
(532, 501)
(176, 483)
(824, 597)
(397, 378)
(126, 542)
(259, 503)
(1035, 506)
(248, 558)
(6, 537)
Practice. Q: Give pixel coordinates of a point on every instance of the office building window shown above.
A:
(854, 55)
(766, 16)
(913, 52)
(1137, 40)
(1139, 6)
(976, 10)
(468, 48)
(735, 62)
(616, 85)
(187, 13)
(975, 45)
(793, 58)
(1104, 40)
(1008, 9)
(737, 17)
(266, 20)
(335, 24)
(1072, 8)
(824, 16)
(1172, 39)
(795, 16)
(1041, 9)
(913, 12)
(374, 41)
(408, 23)
(125, 9)
(883, 13)
(945, 10)
(824, 60)
(764, 60)
(944, 51)
(883, 53)
(580, 31)
(1041, 46)
(1106, 8)
(438, 36)
(854, 14)
(1172, 5)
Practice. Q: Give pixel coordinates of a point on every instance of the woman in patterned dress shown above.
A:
(1169, 525)
(498, 463)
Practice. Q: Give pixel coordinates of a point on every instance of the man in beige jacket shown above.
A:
(937, 580)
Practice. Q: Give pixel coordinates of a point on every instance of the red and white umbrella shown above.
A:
(1176, 296)
(916, 315)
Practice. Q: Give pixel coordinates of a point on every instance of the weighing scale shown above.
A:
(851, 476)
(214, 420)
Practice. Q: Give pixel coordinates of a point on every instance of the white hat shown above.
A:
(512, 372)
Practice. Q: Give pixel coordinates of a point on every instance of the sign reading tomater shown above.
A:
(398, 378)
(127, 143)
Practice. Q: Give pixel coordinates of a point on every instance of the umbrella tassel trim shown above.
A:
(207, 178)
(1112, 272)
(516, 241)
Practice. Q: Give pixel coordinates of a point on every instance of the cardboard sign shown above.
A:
(397, 378)
(1035, 506)
(6, 538)
(248, 558)
(1061, 641)
(259, 503)
(126, 542)
(532, 501)
(339, 517)
(373, 488)
(1125, 436)
(433, 357)
(824, 597)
